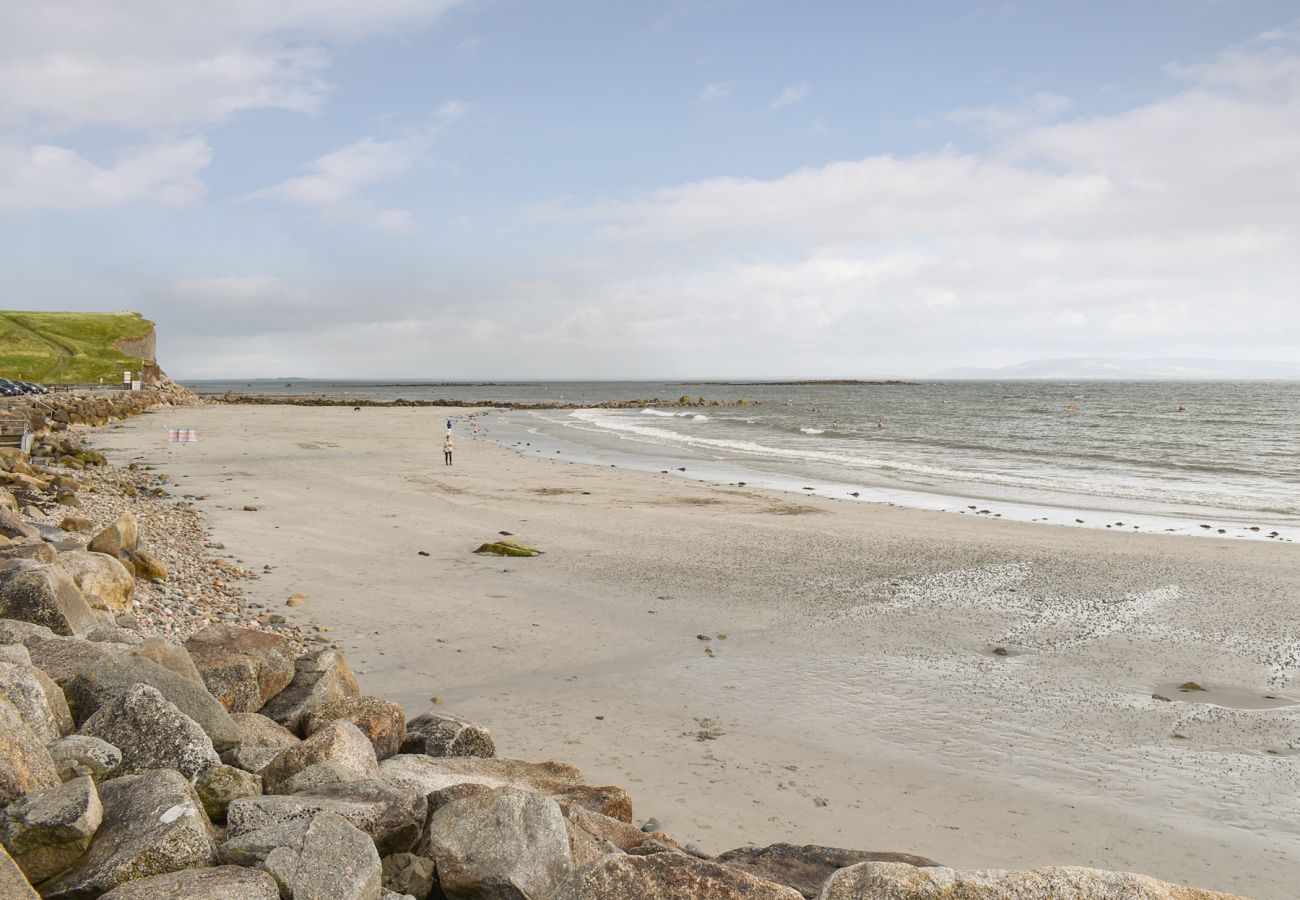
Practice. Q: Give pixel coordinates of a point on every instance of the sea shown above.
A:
(1217, 459)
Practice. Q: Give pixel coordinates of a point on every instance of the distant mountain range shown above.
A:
(1130, 369)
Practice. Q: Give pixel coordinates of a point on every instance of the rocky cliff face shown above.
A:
(145, 348)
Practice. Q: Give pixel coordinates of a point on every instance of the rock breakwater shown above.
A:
(161, 737)
(683, 402)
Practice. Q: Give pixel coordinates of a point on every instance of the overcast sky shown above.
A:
(708, 188)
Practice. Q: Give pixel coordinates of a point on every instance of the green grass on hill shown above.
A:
(63, 348)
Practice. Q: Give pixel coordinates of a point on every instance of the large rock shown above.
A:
(118, 538)
(169, 655)
(220, 785)
(340, 743)
(152, 733)
(113, 634)
(408, 874)
(152, 824)
(394, 818)
(13, 884)
(25, 764)
(806, 868)
(49, 830)
(501, 844)
(220, 883)
(12, 631)
(586, 848)
(242, 667)
(109, 678)
(81, 754)
(104, 582)
(338, 862)
(561, 781)
(16, 654)
(898, 881)
(146, 565)
(56, 702)
(621, 835)
(12, 526)
(44, 594)
(63, 658)
(36, 551)
(22, 687)
(319, 678)
(253, 847)
(260, 741)
(666, 876)
(434, 734)
(382, 721)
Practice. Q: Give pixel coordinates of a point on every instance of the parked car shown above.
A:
(32, 387)
(9, 389)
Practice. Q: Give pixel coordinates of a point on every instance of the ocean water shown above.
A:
(1169, 456)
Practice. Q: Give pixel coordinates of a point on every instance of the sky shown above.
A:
(503, 189)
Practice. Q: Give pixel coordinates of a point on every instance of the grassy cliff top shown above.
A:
(71, 347)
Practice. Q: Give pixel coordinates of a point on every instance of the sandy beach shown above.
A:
(759, 667)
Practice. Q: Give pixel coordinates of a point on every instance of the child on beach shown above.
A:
(446, 449)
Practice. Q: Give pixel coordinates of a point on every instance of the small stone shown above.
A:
(1190, 686)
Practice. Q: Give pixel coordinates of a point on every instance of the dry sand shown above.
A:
(855, 700)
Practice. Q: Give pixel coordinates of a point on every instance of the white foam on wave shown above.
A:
(934, 476)
(813, 430)
(694, 417)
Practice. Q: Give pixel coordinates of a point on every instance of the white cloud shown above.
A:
(137, 64)
(716, 91)
(52, 177)
(153, 71)
(1168, 229)
(334, 185)
(791, 95)
(999, 120)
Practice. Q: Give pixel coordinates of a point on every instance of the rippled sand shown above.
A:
(858, 698)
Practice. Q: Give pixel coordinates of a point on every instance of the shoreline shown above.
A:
(560, 637)
(1218, 524)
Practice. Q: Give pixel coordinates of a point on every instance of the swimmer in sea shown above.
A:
(880, 423)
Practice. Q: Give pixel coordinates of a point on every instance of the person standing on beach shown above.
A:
(475, 431)
(446, 449)
(449, 425)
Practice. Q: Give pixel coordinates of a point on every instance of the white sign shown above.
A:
(126, 377)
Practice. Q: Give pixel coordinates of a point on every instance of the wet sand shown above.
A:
(856, 700)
